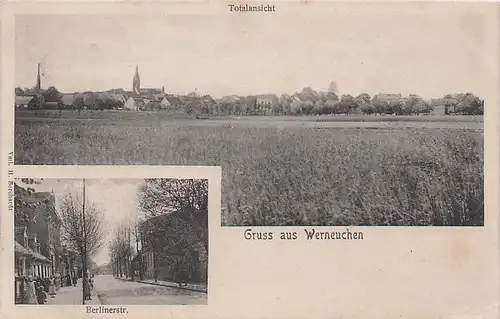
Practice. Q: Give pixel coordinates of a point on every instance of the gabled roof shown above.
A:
(23, 99)
(173, 100)
(20, 249)
(230, 98)
(207, 99)
(443, 101)
(116, 96)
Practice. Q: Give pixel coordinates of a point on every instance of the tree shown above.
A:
(121, 250)
(188, 197)
(347, 103)
(308, 94)
(363, 97)
(277, 109)
(52, 95)
(318, 108)
(366, 108)
(285, 102)
(36, 102)
(72, 227)
(79, 103)
(307, 107)
(296, 107)
(331, 107)
(471, 105)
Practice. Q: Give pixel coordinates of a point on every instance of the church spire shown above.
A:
(136, 85)
(38, 81)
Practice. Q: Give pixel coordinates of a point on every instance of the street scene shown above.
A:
(116, 241)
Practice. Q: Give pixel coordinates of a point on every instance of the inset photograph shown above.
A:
(111, 241)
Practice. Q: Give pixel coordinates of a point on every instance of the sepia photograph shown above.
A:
(111, 241)
(343, 121)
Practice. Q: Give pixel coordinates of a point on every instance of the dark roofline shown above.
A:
(166, 216)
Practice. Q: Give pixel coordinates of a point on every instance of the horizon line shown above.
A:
(339, 94)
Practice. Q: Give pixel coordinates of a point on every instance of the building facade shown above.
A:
(37, 234)
(171, 249)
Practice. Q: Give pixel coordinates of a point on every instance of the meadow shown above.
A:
(405, 173)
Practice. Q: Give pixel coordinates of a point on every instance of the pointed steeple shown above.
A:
(136, 85)
(38, 80)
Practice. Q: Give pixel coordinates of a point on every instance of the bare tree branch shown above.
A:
(72, 226)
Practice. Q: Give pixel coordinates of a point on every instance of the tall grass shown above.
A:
(293, 176)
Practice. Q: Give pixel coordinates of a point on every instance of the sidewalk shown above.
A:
(193, 287)
(72, 296)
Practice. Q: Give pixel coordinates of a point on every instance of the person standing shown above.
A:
(52, 288)
(92, 283)
(30, 291)
(58, 282)
(86, 289)
(40, 293)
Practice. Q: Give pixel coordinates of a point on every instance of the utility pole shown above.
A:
(132, 268)
(139, 252)
(84, 235)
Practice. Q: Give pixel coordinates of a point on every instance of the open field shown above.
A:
(278, 172)
(161, 115)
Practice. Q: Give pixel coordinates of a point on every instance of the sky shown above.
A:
(116, 198)
(429, 50)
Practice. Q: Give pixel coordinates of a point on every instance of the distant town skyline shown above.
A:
(391, 49)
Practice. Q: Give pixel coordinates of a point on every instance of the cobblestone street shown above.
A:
(114, 291)
(72, 296)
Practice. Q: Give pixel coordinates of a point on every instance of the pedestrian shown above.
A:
(58, 282)
(40, 294)
(68, 281)
(30, 291)
(74, 280)
(86, 289)
(52, 287)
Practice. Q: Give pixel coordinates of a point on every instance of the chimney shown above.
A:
(38, 81)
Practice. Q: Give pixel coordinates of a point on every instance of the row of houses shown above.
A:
(156, 99)
(38, 251)
(150, 99)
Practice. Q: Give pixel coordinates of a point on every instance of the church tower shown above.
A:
(38, 81)
(137, 82)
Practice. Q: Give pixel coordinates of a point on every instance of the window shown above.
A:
(18, 267)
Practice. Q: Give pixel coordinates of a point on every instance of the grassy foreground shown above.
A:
(293, 176)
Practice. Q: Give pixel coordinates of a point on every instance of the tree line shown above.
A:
(305, 102)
